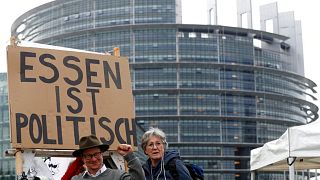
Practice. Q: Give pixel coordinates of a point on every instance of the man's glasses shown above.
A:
(90, 156)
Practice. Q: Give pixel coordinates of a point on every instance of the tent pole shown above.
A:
(253, 175)
(291, 168)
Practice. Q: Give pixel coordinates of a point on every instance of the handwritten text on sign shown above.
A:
(58, 96)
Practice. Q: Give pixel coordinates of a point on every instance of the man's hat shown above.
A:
(87, 142)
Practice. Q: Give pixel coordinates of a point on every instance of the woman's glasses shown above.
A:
(156, 144)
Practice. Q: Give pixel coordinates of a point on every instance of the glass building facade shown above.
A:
(7, 164)
(214, 93)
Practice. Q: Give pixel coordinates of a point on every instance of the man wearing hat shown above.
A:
(91, 150)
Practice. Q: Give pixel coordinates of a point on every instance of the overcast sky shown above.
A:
(194, 12)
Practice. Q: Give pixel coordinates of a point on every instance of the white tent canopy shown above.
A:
(299, 142)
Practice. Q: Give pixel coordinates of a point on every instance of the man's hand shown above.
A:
(124, 149)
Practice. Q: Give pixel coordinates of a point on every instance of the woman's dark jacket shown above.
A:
(158, 172)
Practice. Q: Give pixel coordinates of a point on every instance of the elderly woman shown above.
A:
(155, 146)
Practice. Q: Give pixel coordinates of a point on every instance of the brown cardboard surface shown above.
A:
(48, 112)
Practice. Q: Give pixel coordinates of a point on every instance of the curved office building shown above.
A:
(214, 92)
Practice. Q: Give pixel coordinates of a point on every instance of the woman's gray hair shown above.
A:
(153, 132)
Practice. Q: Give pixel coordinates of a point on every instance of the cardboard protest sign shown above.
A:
(57, 96)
